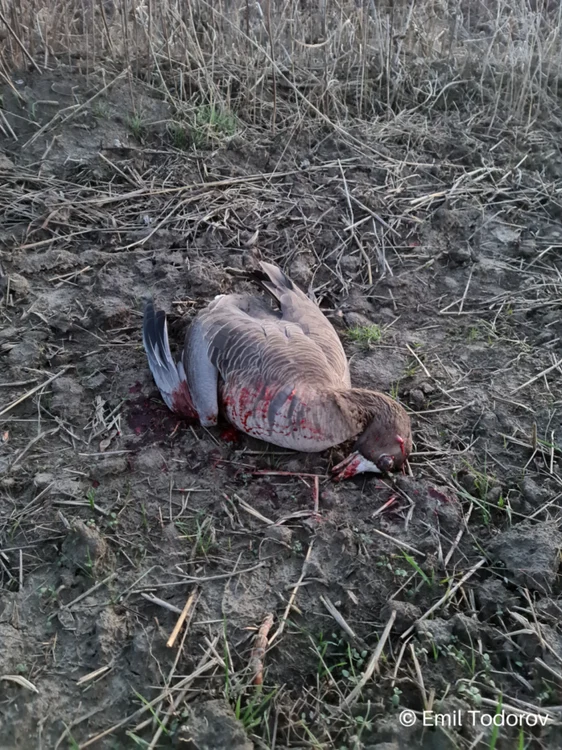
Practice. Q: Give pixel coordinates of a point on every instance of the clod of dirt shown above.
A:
(68, 486)
(437, 631)
(466, 626)
(7, 333)
(468, 481)
(494, 598)
(550, 608)
(350, 264)
(207, 279)
(532, 493)
(43, 478)
(68, 397)
(530, 553)
(18, 285)
(281, 534)
(66, 619)
(111, 312)
(110, 466)
(301, 269)
(406, 613)
(84, 548)
(13, 648)
(212, 725)
(111, 630)
(29, 352)
(6, 163)
(417, 399)
(437, 503)
(494, 494)
(506, 235)
(357, 320)
(149, 461)
(61, 260)
(460, 254)
(380, 369)
(391, 736)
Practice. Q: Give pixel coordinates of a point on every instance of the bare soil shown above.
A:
(107, 500)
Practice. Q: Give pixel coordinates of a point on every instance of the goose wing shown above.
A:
(276, 379)
(297, 307)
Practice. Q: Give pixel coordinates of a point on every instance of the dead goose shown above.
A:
(278, 375)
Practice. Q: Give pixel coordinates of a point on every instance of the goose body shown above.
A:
(280, 375)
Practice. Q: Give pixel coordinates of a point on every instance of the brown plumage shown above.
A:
(279, 375)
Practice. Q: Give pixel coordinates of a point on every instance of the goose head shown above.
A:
(385, 442)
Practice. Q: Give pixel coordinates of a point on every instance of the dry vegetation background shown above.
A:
(401, 159)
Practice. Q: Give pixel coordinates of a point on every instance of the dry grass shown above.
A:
(282, 64)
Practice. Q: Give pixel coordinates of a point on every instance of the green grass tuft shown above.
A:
(365, 335)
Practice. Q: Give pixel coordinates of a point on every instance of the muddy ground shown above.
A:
(113, 513)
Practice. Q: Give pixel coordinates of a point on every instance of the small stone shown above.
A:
(427, 388)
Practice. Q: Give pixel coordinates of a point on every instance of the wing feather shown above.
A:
(297, 307)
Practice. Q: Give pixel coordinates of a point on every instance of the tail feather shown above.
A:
(168, 376)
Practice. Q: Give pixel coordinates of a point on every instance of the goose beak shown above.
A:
(352, 465)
